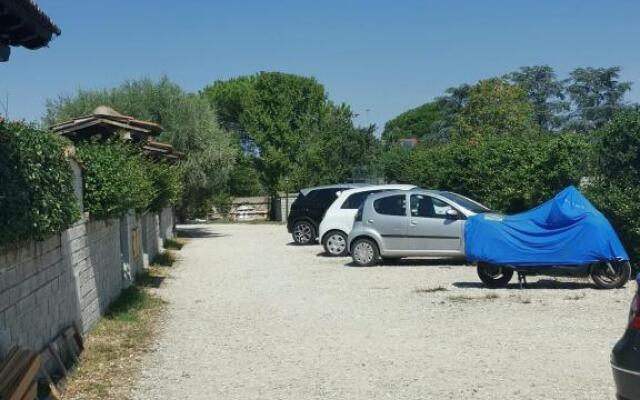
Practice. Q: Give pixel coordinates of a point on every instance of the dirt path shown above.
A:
(251, 317)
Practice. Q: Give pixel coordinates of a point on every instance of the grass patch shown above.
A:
(430, 290)
(174, 244)
(463, 298)
(115, 345)
(165, 259)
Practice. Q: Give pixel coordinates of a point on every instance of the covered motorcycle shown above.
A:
(566, 233)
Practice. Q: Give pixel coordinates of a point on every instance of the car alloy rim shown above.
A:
(363, 253)
(336, 244)
(303, 233)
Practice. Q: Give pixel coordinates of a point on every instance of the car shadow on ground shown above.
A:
(193, 232)
(414, 262)
(292, 243)
(539, 284)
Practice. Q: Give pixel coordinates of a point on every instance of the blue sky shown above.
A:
(381, 57)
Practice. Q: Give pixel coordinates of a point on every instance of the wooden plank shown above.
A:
(54, 393)
(56, 357)
(32, 392)
(75, 342)
(26, 378)
(13, 371)
(10, 354)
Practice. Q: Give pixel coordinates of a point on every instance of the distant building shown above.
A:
(408, 143)
(22, 23)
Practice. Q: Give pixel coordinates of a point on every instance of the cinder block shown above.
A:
(26, 251)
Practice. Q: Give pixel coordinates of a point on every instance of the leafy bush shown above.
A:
(36, 190)
(115, 179)
(615, 189)
(167, 183)
(507, 173)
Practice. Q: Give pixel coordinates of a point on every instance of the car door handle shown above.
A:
(413, 222)
(370, 221)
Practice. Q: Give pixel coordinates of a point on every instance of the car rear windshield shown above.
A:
(355, 200)
(465, 202)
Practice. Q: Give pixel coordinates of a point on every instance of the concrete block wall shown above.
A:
(97, 267)
(37, 295)
(151, 241)
(131, 248)
(167, 222)
(67, 279)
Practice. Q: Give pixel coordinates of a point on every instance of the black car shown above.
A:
(309, 208)
(625, 358)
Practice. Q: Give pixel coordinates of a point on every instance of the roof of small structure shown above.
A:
(105, 122)
(162, 150)
(23, 23)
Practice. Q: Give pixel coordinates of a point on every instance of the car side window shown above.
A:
(391, 205)
(423, 206)
(355, 200)
(324, 197)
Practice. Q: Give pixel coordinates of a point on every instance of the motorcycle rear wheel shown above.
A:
(494, 276)
(611, 275)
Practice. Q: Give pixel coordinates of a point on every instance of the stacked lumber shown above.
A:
(18, 373)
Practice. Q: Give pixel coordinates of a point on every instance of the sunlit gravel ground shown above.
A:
(252, 316)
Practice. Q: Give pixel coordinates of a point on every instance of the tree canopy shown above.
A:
(303, 138)
(190, 126)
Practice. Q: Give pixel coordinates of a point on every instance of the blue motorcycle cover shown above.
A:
(566, 230)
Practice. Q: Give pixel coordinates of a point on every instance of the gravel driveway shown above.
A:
(253, 317)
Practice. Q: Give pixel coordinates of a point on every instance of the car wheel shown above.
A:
(494, 276)
(303, 232)
(365, 252)
(611, 275)
(335, 243)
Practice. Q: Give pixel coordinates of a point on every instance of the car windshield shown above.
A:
(469, 204)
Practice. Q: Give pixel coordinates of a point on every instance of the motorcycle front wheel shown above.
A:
(610, 274)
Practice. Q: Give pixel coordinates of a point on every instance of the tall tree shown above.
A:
(496, 107)
(302, 137)
(228, 99)
(189, 122)
(596, 93)
(545, 92)
(413, 123)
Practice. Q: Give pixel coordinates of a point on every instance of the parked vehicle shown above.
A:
(309, 208)
(564, 236)
(625, 357)
(338, 220)
(417, 222)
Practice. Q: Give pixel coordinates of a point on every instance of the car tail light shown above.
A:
(634, 315)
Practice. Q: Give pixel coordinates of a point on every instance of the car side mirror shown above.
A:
(452, 214)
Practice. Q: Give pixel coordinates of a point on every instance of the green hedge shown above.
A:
(507, 173)
(615, 189)
(167, 180)
(115, 179)
(119, 178)
(36, 184)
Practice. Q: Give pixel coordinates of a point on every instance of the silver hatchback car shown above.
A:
(413, 223)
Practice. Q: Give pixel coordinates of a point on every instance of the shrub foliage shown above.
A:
(616, 187)
(115, 179)
(36, 184)
(507, 173)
